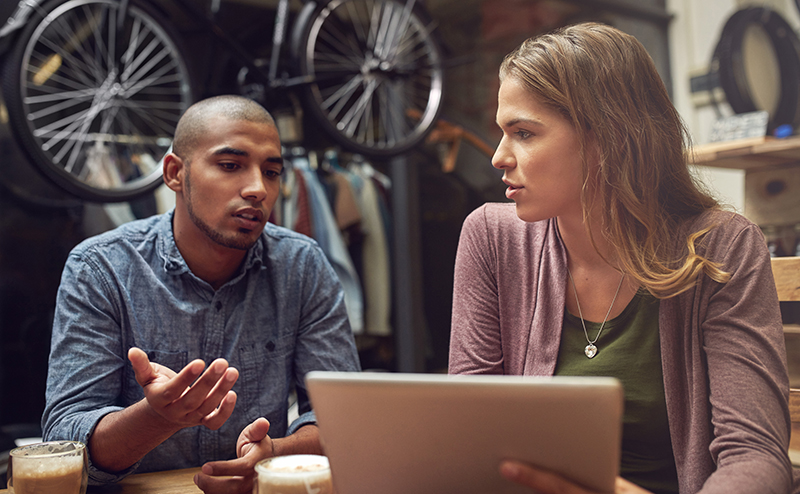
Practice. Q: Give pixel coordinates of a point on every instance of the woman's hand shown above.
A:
(544, 482)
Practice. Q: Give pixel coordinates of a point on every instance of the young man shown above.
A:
(210, 280)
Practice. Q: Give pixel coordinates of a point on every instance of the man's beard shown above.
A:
(232, 242)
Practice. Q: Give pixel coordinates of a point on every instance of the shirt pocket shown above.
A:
(265, 376)
(175, 361)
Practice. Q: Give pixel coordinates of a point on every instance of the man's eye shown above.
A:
(228, 166)
(272, 173)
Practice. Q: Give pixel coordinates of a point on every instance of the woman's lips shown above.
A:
(512, 190)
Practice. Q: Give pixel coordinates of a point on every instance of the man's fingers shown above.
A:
(215, 419)
(252, 434)
(192, 398)
(178, 385)
(224, 485)
(220, 391)
(241, 467)
(144, 372)
(256, 431)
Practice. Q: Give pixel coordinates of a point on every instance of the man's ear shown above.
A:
(173, 172)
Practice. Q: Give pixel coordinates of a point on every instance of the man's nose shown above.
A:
(254, 188)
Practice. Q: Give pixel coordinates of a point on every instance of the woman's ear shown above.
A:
(173, 172)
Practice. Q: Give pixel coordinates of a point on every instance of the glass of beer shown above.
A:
(294, 474)
(48, 468)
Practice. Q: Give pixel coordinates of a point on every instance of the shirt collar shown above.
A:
(173, 260)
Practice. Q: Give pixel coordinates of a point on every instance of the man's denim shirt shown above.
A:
(280, 317)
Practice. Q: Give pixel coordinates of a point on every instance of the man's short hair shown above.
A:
(192, 124)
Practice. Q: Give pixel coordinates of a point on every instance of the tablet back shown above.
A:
(429, 433)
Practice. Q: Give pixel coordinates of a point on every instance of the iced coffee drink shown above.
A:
(294, 474)
(48, 468)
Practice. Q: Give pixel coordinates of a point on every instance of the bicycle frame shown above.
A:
(363, 69)
(242, 55)
(26, 8)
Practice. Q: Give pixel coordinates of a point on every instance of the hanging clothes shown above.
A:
(326, 232)
(375, 250)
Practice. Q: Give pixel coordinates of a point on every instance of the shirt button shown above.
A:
(271, 346)
(218, 305)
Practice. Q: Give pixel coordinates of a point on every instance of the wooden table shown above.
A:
(169, 482)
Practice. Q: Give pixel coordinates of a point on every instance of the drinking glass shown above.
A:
(294, 474)
(48, 468)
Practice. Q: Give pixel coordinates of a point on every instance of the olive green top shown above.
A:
(629, 349)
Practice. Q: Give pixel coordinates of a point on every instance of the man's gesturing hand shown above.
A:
(237, 476)
(182, 399)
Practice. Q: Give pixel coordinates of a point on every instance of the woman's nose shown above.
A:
(502, 158)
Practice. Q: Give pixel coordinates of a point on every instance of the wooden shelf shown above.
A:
(747, 154)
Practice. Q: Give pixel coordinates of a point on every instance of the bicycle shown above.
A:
(95, 88)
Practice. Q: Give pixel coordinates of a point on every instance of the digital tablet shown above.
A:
(400, 433)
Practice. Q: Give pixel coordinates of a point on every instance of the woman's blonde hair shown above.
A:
(605, 83)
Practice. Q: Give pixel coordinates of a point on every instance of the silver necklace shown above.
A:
(591, 350)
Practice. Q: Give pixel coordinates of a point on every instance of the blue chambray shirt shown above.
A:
(280, 317)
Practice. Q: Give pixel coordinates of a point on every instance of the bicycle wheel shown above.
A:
(94, 95)
(376, 74)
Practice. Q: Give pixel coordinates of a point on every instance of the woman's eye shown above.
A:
(523, 134)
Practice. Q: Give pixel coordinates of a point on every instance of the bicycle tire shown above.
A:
(730, 61)
(94, 97)
(376, 74)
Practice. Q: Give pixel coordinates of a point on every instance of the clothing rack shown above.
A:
(332, 197)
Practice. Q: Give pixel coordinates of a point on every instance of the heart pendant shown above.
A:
(590, 350)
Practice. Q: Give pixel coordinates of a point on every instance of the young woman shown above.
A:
(613, 261)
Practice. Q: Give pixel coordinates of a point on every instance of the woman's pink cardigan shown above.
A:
(722, 346)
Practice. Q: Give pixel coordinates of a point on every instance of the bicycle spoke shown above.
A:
(358, 26)
(68, 103)
(401, 29)
(49, 130)
(96, 45)
(353, 115)
(67, 136)
(157, 79)
(113, 19)
(148, 115)
(81, 69)
(333, 40)
(83, 134)
(366, 124)
(70, 84)
(143, 56)
(383, 31)
(133, 45)
(334, 63)
(66, 39)
(77, 43)
(107, 118)
(46, 68)
(374, 26)
(341, 96)
(138, 83)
